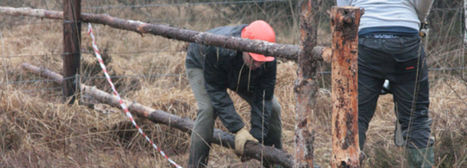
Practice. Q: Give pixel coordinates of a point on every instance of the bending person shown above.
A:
(212, 70)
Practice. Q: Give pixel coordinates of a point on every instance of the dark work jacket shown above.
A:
(224, 69)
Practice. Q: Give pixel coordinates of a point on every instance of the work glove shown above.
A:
(241, 137)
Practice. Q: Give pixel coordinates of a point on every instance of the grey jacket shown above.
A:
(390, 13)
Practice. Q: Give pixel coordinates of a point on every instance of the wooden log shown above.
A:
(285, 51)
(71, 48)
(252, 149)
(306, 85)
(345, 146)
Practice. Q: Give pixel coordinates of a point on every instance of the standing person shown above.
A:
(212, 70)
(390, 48)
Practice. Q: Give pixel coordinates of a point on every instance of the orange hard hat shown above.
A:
(259, 30)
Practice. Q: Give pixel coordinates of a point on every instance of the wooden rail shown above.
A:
(252, 149)
(285, 51)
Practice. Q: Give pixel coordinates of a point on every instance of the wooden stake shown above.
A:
(306, 86)
(345, 146)
(71, 48)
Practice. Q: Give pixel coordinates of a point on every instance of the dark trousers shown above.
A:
(401, 60)
(202, 132)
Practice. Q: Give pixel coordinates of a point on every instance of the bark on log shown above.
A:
(345, 146)
(306, 85)
(285, 51)
(253, 150)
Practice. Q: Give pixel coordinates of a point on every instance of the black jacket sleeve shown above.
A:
(261, 105)
(215, 75)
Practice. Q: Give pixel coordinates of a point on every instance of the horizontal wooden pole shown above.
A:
(286, 51)
(252, 149)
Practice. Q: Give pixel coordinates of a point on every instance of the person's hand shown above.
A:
(241, 137)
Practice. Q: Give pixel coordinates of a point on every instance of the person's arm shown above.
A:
(261, 106)
(216, 86)
(423, 8)
(343, 2)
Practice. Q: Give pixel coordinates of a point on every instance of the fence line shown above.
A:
(211, 18)
(280, 87)
(439, 69)
(447, 9)
(98, 77)
(161, 75)
(87, 52)
(274, 49)
(182, 4)
(149, 21)
(211, 3)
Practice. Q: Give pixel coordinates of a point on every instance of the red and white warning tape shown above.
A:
(122, 104)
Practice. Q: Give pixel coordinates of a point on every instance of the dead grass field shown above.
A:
(38, 130)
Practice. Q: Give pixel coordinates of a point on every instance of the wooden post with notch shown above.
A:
(345, 146)
(306, 85)
(71, 48)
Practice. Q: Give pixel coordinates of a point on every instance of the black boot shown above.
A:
(420, 158)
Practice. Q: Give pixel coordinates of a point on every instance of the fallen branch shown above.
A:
(253, 150)
(285, 51)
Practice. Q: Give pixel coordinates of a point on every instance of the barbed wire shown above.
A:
(159, 21)
(59, 88)
(182, 4)
(10, 56)
(179, 19)
(162, 75)
(163, 20)
(84, 78)
(41, 89)
(213, 3)
(447, 9)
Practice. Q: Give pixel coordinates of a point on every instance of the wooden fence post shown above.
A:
(71, 48)
(306, 85)
(465, 24)
(345, 146)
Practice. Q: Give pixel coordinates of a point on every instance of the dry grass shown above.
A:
(37, 130)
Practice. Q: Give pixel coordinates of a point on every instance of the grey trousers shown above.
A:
(204, 124)
(401, 60)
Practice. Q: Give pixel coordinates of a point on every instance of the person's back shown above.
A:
(196, 52)
(389, 48)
